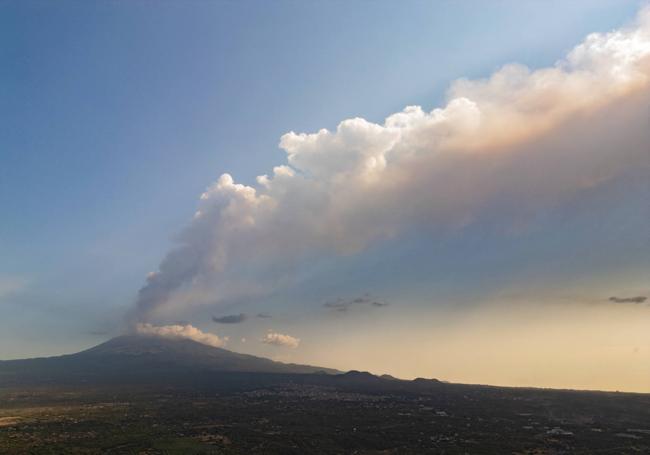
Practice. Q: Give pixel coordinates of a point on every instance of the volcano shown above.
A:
(141, 357)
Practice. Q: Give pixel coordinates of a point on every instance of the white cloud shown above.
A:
(178, 331)
(279, 339)
(519, 141)
(10, 285)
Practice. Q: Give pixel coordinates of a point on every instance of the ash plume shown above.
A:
(496, 142)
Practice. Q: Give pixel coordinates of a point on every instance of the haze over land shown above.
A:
(497, 236)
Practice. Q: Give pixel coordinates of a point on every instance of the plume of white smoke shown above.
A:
(280, 339)
(520, 141)
(177, 331)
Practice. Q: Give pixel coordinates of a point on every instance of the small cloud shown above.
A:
(343, 305)
(338, 305)
(10, 285)
(264, 315)
(637, 299)
(280, 339)
(230, 319)
(243, 340)
(181, 332)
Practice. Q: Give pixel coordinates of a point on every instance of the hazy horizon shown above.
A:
(438, 191)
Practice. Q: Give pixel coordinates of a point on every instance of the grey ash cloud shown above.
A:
(343, 305)
(230, 319)
(636, 299)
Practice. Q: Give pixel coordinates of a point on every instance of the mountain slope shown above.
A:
(136, 356)
(192, 354)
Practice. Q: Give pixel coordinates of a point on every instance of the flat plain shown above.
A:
(353, 413)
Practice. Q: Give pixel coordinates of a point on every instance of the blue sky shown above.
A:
(116, 116)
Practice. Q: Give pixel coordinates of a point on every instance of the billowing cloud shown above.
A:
(636, 299)
(515, 144)
(280, 339)
(181, 332)
(230, 319)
